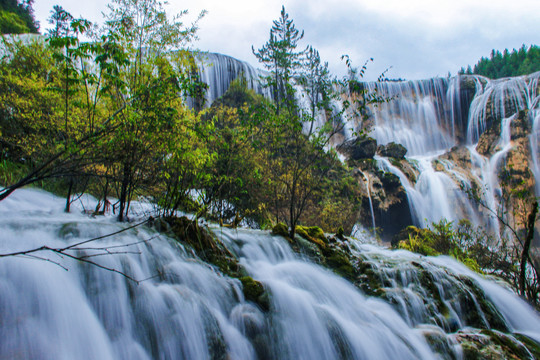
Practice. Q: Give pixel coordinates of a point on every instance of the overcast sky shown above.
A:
(418, 38)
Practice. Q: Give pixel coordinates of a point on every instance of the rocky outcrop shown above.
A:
(488, 141)
(359, 148)
(382, 193)
(393, 150)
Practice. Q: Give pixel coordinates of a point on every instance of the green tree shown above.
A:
(518, 62)
(148, 85)
(317, 84)
(281, 57)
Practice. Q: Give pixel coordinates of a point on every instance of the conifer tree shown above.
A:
(281, 57)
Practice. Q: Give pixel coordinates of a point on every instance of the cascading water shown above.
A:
(413, 115)
(218, 71)
(53, 307)
(368, 191)
(433, 119)
(534, 139)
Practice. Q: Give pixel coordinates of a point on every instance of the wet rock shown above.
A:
(393, 150)
(488, 141)
(390, 181)
(492, 345)
(254, 291)
(359, 148)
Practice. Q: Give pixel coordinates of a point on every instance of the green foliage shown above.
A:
(444, 237)
(418, 245)
(106, 117)
(29, 108)
(10, 171)
(17, 17)
(279, 55)
(518, 62)
(11, 23)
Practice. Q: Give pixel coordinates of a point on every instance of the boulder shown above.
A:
(393, 150)
(359, 148)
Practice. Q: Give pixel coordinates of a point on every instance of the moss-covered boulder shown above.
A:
(312, 233)
(340, 263)
(202, 241)
(255, 292)
(492, 345)
(280, 229)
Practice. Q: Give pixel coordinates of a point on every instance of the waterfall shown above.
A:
(498, 99)
(413, 115)
(368, 192)
(183, 308)
(218, 71)
(534, 138)
(436, 118)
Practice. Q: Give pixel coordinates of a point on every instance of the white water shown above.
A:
(218, 71)
(413, 117)
(186, 309)
(534, 139)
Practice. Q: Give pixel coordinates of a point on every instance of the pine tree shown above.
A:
(281, 57)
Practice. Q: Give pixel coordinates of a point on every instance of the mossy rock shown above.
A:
(393, 150)
(359, 148)
(200, 239)
(280, 229)
(492, 345)
(306, 247)
(228, 266)
(440, 344)
(341, 265)
(493, 317)
(312, 233)
(390, 181)
(254, 291)
(532, 346)
(189, 231)
(511, 346)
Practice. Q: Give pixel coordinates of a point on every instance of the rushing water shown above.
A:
(218, 71)
(53, 307)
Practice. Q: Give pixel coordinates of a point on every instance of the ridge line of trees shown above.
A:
(519, 62)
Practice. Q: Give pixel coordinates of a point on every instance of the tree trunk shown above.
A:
(68, 197)
(123, 193)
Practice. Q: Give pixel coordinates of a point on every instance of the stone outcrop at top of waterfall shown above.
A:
(393, 150)
(359, 148)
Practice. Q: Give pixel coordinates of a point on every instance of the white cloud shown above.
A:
(420, 38)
